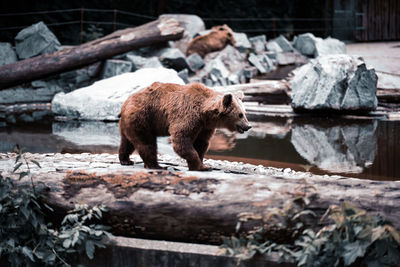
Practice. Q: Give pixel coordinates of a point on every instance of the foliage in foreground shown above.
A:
(352, 239)
(27, 238)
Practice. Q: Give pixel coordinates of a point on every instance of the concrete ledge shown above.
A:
(140, 252)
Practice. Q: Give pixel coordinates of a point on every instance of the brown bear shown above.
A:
(217, 39)
(189, 113)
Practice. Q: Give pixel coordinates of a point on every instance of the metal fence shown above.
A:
(71, 30)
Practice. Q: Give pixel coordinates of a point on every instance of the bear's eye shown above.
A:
(241, 115)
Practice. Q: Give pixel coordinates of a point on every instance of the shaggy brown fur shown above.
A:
(189, 113)
(217, 39)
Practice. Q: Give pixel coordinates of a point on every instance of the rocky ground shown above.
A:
(105, 162)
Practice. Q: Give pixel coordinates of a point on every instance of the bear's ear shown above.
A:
(239, 94)
(227, 100)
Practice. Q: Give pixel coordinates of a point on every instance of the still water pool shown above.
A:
(367, 149)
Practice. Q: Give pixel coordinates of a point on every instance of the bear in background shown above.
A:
(189, 113)
(217, 39)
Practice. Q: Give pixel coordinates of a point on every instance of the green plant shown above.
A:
(284, 226)
(353, 239)
(27, 238)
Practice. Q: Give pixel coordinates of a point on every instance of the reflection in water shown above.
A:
(336, 148)
(88, 133)
(358, 148)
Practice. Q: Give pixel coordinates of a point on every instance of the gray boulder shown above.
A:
(319, 145)
(217, 72)
(262, 62)
(231, 57)
(7, 54)
(329, 46)
(242, 42)
(114, 67)
(305, 44)
(192, 25)
(274, 47)
(258, 43)
(103, 99)
(279, 44)
(220, 65)
(40, 91)
(195, 62)
(334, 82)
(139, 62)
(36, 40)
(250, 72)
(309, 45)
(173, 58)
(78, 78)
(184, 75)
(288, 58)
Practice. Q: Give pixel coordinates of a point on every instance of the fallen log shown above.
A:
(161, 30)
(388, 95)
(193, 206)
(265, 92)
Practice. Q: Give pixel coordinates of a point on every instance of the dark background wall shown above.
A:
(270, 17)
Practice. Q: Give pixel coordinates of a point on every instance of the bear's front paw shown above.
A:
(205, 168)
(126, 162)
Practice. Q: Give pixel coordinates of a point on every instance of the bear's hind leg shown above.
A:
(148, 153)
(184, 148)
(202, 142)
(125, 150)
(146, 144)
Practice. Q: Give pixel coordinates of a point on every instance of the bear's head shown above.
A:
(225, 33)
(231, 113)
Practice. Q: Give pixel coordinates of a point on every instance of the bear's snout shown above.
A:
(243, 128)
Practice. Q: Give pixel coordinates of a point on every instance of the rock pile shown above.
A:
(236, 64)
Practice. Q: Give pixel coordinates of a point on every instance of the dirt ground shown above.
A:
(384, 57)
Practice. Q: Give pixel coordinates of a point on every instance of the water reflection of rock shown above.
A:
(336, 148)
(277, 128)
(90, 136)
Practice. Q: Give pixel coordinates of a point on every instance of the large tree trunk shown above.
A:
(116, 43)
(195, 206)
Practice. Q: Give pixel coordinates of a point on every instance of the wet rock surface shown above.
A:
(335, 82)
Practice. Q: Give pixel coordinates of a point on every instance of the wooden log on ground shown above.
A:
(388, 95)
(194, 206)
(119, 42)
(265, 92)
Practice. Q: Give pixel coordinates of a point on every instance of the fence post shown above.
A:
(81, 33)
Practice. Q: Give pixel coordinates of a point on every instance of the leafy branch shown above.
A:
(353, 238)
(28, 238)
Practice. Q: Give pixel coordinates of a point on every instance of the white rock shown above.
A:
(103, 99)
(329, 46)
